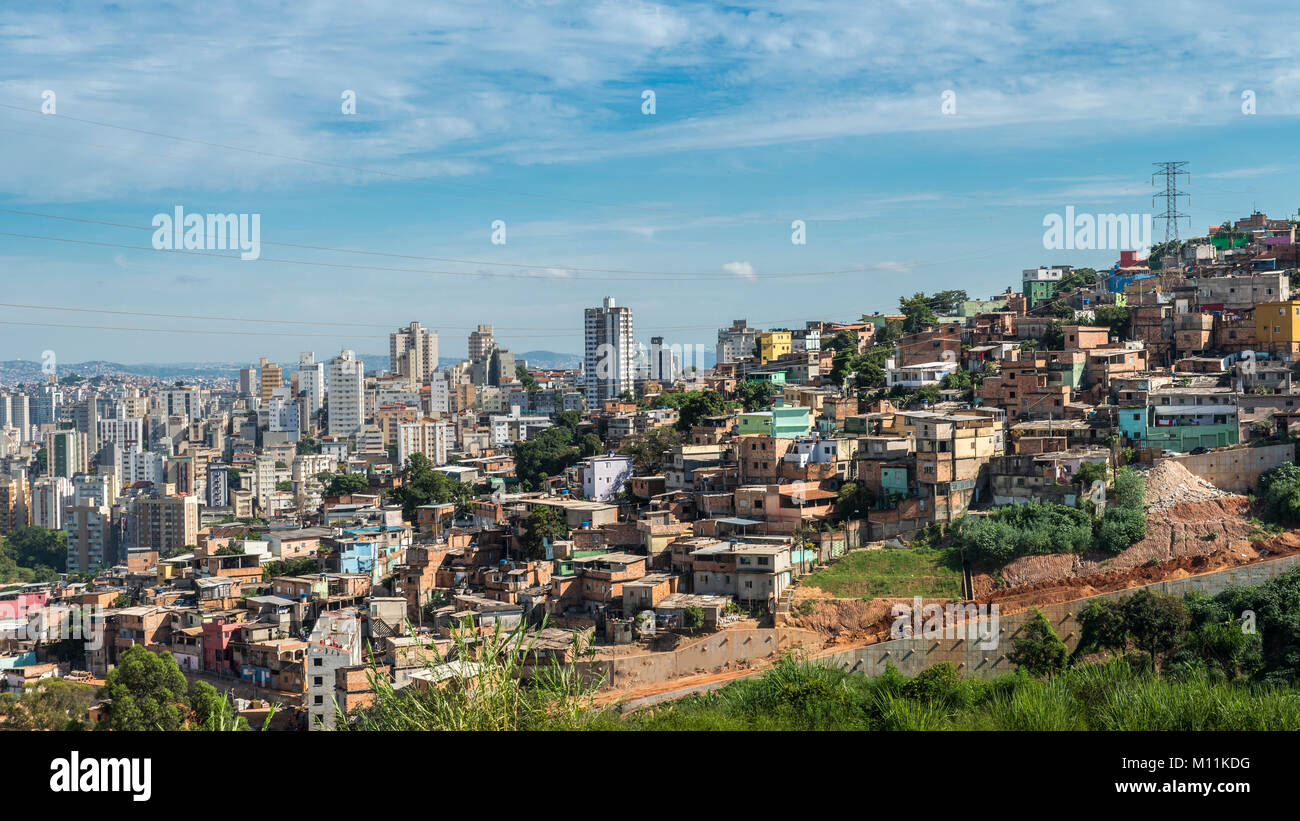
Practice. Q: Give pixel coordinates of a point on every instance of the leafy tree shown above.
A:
(52, 704)
(529, 382)
(146, 691)
(854, 500)
(1101, 627)
(1090, 472)
(1279, 489)
(344, 484)
(568, 419)
(1156, 622)
(1130, 488)
(843, 341)
(543, 524)
(754, 394)
(1038, 650)
(696, 405)
(422, 485)
(1152, 622)
(1061, 310)
(928, 394)
(301, 566)
(1053, 338)
(693, 617)
(948, 303)
(122, 600)
(1121, 528)
(889, 332)
(212, 710)
(1113, 317)
(939, 684)
(917, 312)
(545, 454)
(591, 445)
(648, 449)
(36, 546)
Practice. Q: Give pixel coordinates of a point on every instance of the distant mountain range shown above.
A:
(17, 371)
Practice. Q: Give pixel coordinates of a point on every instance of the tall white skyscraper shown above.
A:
(15, 412)
(609, 359)
(345, 382)
(311, 381)
(413, 352)
(185, 402)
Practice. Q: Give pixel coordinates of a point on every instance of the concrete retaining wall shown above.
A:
(1237, 469)
(913, 655)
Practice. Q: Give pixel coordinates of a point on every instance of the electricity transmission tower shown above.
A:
(1171, 171)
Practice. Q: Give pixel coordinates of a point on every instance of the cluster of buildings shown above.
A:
(207, 520)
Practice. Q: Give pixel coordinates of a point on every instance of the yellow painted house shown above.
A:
(772, 344)
(1277, 321)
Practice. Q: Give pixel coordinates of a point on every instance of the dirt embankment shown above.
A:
(1210, 530)
(1183, 530)
(846, 621)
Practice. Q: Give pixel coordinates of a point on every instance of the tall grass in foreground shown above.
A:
(797, 695)
(487, 686)
(484, 684)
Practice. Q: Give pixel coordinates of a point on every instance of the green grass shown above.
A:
(800, 695)
(871, 574)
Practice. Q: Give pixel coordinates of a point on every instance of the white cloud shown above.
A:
(742, 270)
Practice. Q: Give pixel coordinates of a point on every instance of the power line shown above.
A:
(691, 274)
(331, 323)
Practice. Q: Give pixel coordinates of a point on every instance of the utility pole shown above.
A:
(1171, 171)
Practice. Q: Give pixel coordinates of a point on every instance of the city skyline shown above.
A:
(759, 120)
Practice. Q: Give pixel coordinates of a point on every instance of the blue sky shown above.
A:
(531, 113)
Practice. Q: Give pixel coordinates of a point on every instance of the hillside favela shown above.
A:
(397, 398)
(1090, 474)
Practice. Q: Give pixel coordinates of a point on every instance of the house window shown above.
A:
(316, 662)
(318, 700)
(317, 681)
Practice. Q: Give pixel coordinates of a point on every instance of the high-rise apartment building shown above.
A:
(128, 434)
(413, 352)
(311, 382)
(481, 343)
(90, 532)
(428, 436)
(15, 412)
(185, 402)
(87, 420)
(66, 453)
(14, 508)
(272, 378)
(218, 489)
(345, 386)
(51, 496)
(609, 352)
(166, 523)
(94, 489)
(663, 365)
(736, 342)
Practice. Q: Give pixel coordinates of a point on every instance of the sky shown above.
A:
(921, 145)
